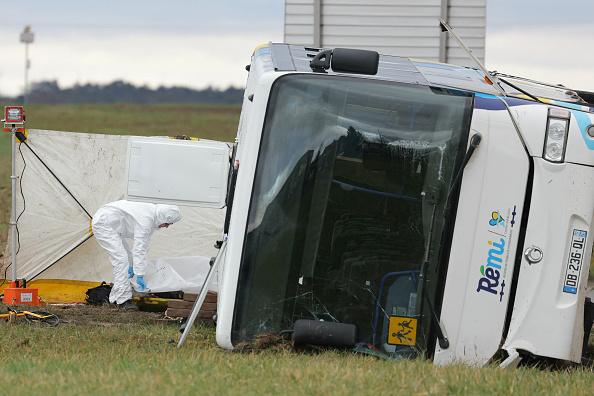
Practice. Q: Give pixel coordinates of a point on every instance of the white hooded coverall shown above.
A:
(118, 220)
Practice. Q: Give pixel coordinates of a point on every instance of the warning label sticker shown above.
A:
(402, 330)
(26, 297)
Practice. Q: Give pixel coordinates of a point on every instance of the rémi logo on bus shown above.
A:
(491, 271)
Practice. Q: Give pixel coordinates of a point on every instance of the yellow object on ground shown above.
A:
(54, 291)
(151, 304)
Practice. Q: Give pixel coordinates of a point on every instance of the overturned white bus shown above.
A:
(438, 210)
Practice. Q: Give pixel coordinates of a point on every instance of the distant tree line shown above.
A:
(48, 92)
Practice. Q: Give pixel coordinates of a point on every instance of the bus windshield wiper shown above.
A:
(444, 342)
(442, 337)
(520, 90)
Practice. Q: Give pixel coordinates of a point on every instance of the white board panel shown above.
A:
(181, 172)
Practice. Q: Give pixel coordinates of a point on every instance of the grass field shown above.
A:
(204, 121)
(103, 350)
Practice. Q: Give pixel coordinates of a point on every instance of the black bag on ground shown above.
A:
(98, 295)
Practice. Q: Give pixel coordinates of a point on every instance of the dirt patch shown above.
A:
(82, 315)
(267, 341)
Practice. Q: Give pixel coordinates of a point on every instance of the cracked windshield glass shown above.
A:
(349, 173)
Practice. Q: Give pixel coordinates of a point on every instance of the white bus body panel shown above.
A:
(248, 149)
(580, 146)
(532, 121)
(485, 241)
(546, 320)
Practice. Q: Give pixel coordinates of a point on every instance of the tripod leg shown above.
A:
(198, 304)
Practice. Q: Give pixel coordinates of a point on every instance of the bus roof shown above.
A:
(294, 58)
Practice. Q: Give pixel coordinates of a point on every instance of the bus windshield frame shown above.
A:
(351, 174)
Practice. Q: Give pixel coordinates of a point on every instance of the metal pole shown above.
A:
(317, 24)
(443, 39)
(26, 73)
(13, 210)
(198, 304)
(27, 38)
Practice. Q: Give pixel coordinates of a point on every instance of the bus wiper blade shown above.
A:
(520, 90)
(475, 140)
(444, 342)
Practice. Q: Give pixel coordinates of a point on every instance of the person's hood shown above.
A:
(167, 214)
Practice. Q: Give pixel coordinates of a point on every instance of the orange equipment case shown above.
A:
(20, 295)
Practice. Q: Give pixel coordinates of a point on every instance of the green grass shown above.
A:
(203, 121)
(70, 360)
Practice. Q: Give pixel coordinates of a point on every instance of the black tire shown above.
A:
(45, 318)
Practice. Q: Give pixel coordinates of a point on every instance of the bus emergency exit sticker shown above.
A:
(402, 330)
(574, 262)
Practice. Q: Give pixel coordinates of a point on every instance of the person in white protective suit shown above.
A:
(118, 220)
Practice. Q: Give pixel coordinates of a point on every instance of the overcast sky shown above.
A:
(198, 43)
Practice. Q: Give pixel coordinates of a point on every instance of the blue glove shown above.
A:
(130, 272)
(140, 284)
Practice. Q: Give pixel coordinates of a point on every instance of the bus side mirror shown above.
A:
(346, 60)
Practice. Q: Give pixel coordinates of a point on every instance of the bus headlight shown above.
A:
(556, 135)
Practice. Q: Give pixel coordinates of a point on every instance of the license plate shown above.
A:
(574, 262)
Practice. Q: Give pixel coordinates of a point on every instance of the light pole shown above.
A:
(27, 38)
(14, 121)
(17, 292)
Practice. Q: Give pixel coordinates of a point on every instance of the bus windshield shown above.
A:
(350, 173)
